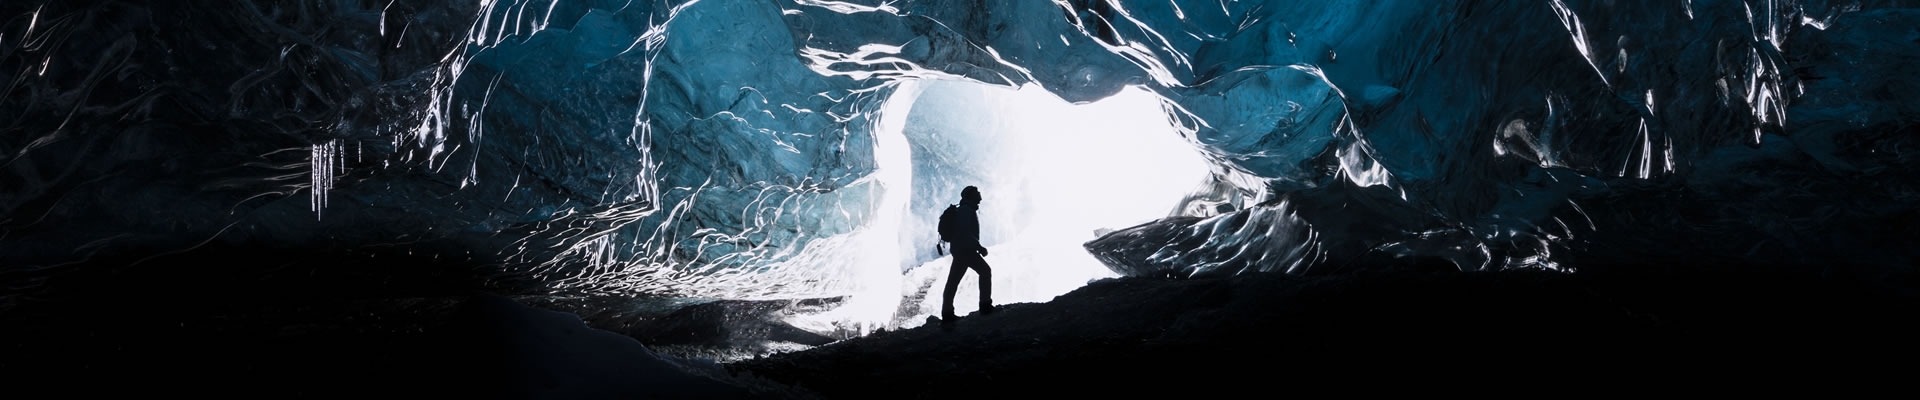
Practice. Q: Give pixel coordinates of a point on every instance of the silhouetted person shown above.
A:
(960, 225)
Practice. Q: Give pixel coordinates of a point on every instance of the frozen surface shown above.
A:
(754, 149)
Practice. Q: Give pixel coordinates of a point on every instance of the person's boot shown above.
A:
(986, 309)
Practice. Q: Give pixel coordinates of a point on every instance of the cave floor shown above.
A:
(1127, 337)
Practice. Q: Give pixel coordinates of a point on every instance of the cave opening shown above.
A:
(1055, 175)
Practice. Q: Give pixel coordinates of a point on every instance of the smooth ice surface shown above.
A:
(754, 149)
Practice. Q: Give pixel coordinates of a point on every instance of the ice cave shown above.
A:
(739, 198)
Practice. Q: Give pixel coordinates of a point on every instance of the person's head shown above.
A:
(970, 195)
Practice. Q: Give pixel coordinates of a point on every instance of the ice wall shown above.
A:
(736, 148)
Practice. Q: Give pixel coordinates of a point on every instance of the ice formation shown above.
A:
(755, 149)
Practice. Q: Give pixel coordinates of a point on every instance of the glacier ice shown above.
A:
(757, 148)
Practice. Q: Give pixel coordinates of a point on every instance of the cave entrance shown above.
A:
(1054, 176)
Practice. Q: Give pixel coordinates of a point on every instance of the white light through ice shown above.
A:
(1069, 170)
(877, 273)
(1055, 173)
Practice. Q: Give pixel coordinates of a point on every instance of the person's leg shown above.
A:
(957, 270)
(979, 266)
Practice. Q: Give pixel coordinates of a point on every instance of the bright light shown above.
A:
(1058, 173)
(1052, 174)
(876, 245)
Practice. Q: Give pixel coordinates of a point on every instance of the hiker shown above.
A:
(960, 226)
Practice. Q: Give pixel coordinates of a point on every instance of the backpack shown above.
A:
(947, 227)
(947, 223)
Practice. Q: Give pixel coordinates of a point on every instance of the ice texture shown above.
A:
(745, 148)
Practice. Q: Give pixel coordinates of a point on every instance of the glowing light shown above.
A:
(876, 274)
(1061, 172)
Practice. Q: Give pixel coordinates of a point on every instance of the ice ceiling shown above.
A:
(800, 148)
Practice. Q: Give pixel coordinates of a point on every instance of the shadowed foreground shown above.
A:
(178, 333)
(1130, 337)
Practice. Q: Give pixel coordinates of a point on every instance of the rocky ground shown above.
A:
(1134, 337)
(144, 333)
